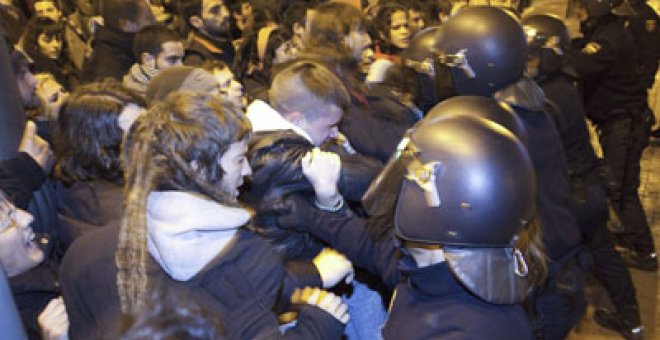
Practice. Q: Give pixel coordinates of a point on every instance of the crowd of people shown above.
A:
(255, 169)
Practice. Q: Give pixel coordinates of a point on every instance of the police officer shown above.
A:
(615, 99)
(548, 41)
(464, 220)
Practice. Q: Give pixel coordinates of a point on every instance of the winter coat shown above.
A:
(112, 55)
(87, 206)
(258, 284)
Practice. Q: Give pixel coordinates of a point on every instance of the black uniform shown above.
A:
(589, 199)
(645, 33)
(615, 100)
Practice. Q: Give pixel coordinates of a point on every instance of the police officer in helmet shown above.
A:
(465, 248)
(548, 43)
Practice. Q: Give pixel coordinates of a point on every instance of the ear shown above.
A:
(147, 59)
(294, 117)
(298, 29)
(127, 25)
(196, 22)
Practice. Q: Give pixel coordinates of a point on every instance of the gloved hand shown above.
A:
(333, 266)
(330, 303)
(54, 321)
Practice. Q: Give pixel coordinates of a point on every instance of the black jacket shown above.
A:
(607, 63)
(87, 206)
(203, 47)
(112, 55)
(275, 158)
(260, 284)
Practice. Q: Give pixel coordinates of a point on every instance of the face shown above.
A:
(215, 17)
(235, 165)
(357, 41)
(50, 45)
(52, 95)
(230, 89)
(533, 65)
(18, 251)
(367, 59)
(170, 55)
(415, 21)
(323, 125)
(399, 32)
(27, 86)
(47, 9)
(581, 12)
(244, 17)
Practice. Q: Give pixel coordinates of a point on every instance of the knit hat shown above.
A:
(180, 78)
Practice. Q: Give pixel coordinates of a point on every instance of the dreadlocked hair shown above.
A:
(176, 145)
(529, 241)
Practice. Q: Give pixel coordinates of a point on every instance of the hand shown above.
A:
(333, 266)
(53, 321)
(325, 300)
(322, 169)
(36, 147)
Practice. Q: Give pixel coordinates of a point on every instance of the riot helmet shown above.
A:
(547, 40)
(482, 107)
(469, 186)
(598, 8)
(484, 49)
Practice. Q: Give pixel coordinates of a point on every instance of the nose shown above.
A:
(247, 170)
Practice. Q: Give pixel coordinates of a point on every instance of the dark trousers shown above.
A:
(623, 141)
(608, 266)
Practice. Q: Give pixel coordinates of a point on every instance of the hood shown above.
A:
(185, 230)
(264, 118)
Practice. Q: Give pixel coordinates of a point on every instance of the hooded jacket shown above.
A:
(200, 250)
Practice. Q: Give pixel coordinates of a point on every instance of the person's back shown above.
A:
(112, 53)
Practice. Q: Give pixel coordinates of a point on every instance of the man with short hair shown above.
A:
(209, 27)
(48, 9)
(155, 48)
(112, 54)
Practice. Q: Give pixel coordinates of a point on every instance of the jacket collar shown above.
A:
(264, 118)
(434, 280)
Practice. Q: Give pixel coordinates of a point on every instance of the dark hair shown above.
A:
(188, 9)
(87, 134)
(331, 23)
(150, 39)
(248, 54)
(176, 145)
(382, 24)
(113, 11)
(36, 27)
(295, 13)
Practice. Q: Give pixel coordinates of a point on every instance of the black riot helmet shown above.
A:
(484, 48)
(482, 107)
(469, 182)
(599, 8)
(547, 39)
(434, 83)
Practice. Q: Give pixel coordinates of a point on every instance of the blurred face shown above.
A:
(357, 40)
(50, 45)
(47, 9)
(230, 89)
(215, 17)
(170, 55)
(581, 11)
(235, 165)
(27, 86)
(399, 32)
(415, 21)
(244, 17)
(323, 125)
(18, 251)
(367, 59)
(52, 95)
